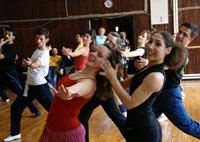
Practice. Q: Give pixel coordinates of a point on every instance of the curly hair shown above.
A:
(104, 89)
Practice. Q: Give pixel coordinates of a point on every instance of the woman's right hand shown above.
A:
(108, 71)
(140, 63)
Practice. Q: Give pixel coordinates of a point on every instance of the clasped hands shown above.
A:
(66, 51)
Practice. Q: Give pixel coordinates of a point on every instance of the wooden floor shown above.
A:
(101, 127)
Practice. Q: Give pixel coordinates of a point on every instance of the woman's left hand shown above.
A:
(108, 71)
(63, 93)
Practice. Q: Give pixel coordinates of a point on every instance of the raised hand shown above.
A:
(49, 47)
(124, 53)
(27, 62)
(3, 41)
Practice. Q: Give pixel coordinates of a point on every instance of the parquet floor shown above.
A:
(101, 127)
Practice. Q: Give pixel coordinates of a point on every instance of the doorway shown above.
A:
(124, 24)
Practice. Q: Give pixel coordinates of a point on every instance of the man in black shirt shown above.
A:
(170, 101)
(8, 75)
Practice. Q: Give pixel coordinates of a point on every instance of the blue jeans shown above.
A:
(111, 110)
(52, 75)
(170, 103)
(40, 92)
(10, 79)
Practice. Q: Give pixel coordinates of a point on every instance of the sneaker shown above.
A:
(10, 138)
(183, 95)
(122, 108)
(124, 114)
(162, 118)
(7, 100)
(37, 114)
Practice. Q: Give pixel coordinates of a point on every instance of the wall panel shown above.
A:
(53, 15)
(189, 11)
(44, 12)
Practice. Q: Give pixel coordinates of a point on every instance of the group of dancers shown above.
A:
(97, 72)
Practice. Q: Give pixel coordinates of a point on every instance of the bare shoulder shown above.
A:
(156, 76)
(84, 50)
(155, 80)
(90, 82)
(88, 87)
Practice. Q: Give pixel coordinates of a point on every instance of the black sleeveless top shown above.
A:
(142, 115)
(174, 76)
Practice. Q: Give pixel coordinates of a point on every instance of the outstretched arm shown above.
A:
(31, 64)
(135, 53)
(142, 93)
(84, 88)
(83, 51)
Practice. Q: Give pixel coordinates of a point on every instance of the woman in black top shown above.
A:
(142, 39)
(145, 86)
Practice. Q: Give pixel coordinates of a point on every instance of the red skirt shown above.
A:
(75, 135)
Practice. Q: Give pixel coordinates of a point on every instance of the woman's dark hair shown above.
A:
(92, 33)
(178, 55)
(148, 33)
(104, 89)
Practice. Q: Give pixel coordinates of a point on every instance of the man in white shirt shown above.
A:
(36, 84)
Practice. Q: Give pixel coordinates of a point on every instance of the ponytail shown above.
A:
(176, 58)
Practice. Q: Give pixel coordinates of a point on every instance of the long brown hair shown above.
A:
(92, 33)
(104, 89)
(177, 56)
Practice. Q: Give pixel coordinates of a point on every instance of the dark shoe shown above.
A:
(37, 114)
